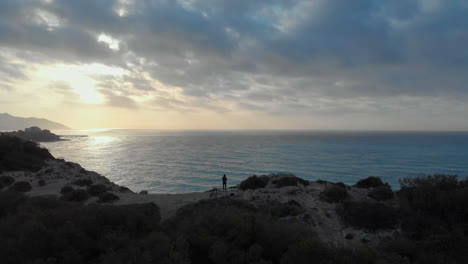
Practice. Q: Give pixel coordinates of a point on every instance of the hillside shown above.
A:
(9, 122)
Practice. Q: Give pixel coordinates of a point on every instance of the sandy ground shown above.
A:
(58, 174)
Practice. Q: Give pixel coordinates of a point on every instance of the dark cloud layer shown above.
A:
(285, 57)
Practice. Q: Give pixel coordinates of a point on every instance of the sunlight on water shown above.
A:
(182, 161)
(100, 140)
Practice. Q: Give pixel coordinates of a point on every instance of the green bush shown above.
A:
(97, 189)
(107, 197)
(370, 182)
(21, 186)
(381, 193)
(254, 182)
(290, 181)
(333, 194)
(370, 216)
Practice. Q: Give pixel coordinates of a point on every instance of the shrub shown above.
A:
(290, 181)
(254, 182)
(6, 181)
(48, 230)
(381, 193)
(77, 195)
(321, 182)
(41, 182)
(341, 184)
(439, 181)
(9, 202)
(124, 189)
(333, 194)
(66, 189)
(97, 189)
(21, 186)
(232, 231)
(107, 197)
(313, 251)
(279, 210)
(370, 216)
(433, 205)
(370, 182)
(83, 182)
(17, 154)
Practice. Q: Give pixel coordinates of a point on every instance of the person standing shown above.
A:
(224, 182)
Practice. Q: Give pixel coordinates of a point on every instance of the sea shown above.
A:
(166, 161)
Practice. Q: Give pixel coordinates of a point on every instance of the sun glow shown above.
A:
(80, 78)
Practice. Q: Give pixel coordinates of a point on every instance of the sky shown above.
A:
(244, 64)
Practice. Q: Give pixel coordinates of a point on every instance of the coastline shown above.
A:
(318, 214)
(279, 218)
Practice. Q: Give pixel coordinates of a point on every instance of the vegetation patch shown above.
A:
(370, 216)
(280, 210)
(108, 197)
(254, 182)
(97, 189)
(321, 182)
(6, 181)
(370, 182)
(41, 182)
(290, 181)
(434, 205)
(333, 194)
(341, 184)
(83, 182)
(19, 155)
(232, 231)
(77, 195)
(124, 189)
(48, 230)
(381, 193)
(21, 186)
(66, 189)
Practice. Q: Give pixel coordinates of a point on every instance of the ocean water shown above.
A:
(184, 161)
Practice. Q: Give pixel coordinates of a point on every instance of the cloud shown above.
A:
(280, 57)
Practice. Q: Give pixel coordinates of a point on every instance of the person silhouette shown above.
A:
(224, 181)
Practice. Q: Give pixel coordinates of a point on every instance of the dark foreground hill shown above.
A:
(9, 122)
(268, 219)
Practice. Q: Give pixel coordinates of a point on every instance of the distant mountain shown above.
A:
(9, 122)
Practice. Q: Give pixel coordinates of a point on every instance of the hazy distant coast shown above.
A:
(9, 122)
